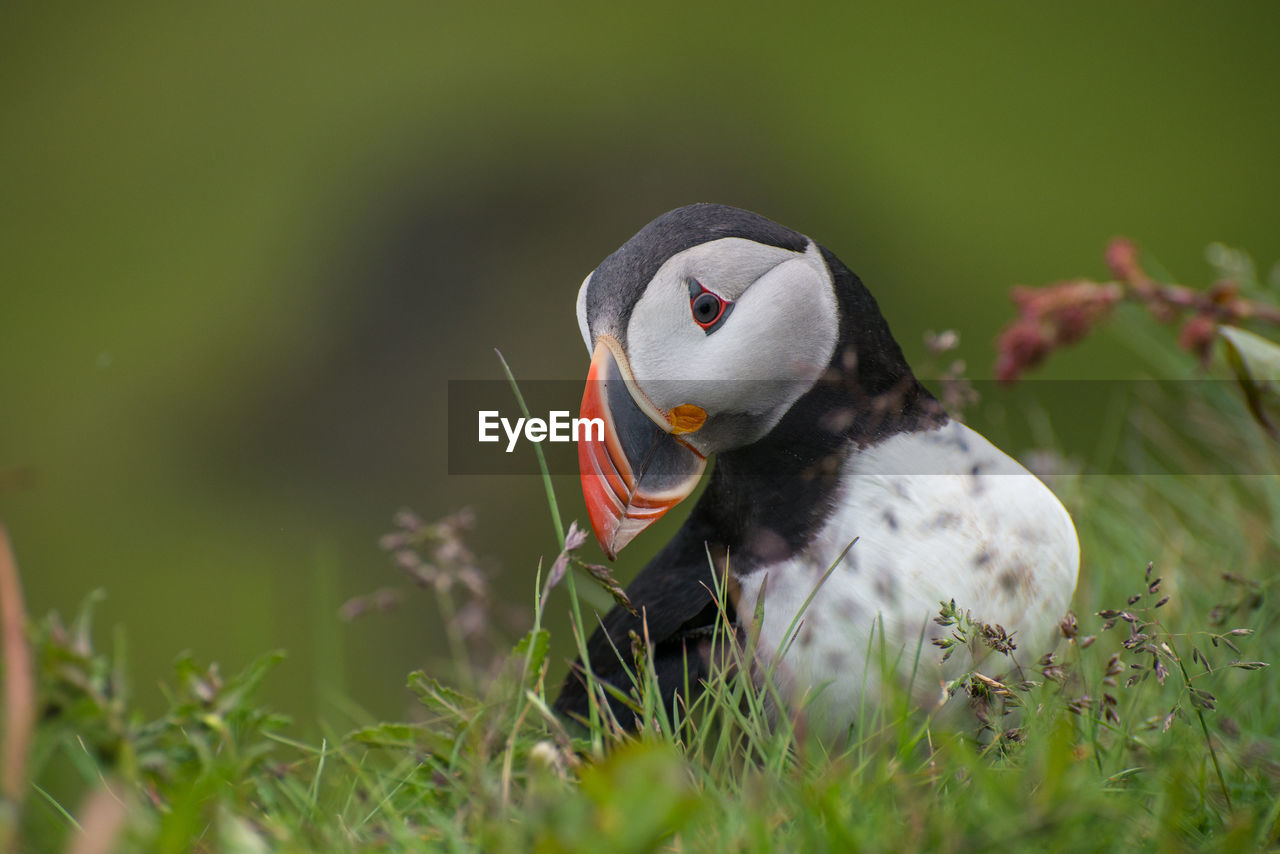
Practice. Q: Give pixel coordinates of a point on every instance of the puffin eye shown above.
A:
(709, 310)
(706, 308)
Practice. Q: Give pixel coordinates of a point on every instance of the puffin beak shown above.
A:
(637, 470)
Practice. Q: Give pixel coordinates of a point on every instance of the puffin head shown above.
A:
(704, 329)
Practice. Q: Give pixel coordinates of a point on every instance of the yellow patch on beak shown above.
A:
(686, 418)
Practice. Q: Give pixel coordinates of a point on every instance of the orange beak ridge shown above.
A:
(633, 470)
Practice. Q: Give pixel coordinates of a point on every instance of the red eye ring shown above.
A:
(709, 309)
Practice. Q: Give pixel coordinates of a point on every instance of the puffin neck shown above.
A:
(868, 377)
(765, 501)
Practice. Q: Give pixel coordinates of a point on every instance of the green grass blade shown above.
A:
(537, 450)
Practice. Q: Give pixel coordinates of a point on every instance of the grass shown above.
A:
(1153, 727)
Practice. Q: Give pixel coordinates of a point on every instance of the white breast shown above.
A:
(938, 515)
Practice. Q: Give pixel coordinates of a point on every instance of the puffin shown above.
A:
(842, 506)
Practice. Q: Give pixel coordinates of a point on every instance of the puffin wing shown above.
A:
(674, 598)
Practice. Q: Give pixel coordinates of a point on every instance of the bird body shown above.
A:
(841, 492)
(937, 515)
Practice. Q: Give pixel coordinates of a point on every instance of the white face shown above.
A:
(777, 340)
(582, 313)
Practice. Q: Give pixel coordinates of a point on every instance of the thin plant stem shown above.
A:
(537, 450)
(1204, 728)
(554, 506)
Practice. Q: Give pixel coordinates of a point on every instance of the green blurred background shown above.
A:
(244, 247)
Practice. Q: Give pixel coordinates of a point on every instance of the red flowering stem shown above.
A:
(1060, 314)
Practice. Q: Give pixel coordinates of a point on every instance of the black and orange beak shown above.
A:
(638, 469)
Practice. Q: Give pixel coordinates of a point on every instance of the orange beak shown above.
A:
(633, 467)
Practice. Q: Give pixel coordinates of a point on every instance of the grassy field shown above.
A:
(1153, 726)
